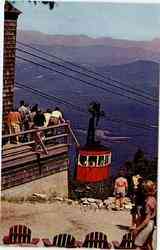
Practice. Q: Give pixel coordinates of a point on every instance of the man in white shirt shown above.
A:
(47, 115)
(22, 109)
(57, 116)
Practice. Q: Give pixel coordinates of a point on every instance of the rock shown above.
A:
(128, 206)
(69, 202)
(111, 199)
(98, 201)
(86, 203)
(58, 198)
(76, 203)
(91, 200)
(113, 206)
(83, 199)
(41, 197)
(108, 204)
(126, 200)
(100, 205)
(94, 206)
(107, 207)
(78, 190)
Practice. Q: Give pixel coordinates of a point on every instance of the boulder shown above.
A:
(69, 201)
(86, 203)
(128, 206)
(108, 203)
(58, 198)
(83, 199)
(91, 200)
(100, 205)
(40, 196)
(94, 206)
(127, 200)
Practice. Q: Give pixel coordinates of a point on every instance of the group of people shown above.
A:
(143, 210)
(25, 117)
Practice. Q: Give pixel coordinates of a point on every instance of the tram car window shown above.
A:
(101, 161)
(83, 160)
(109, 159)
(92, 161)
(106, 159)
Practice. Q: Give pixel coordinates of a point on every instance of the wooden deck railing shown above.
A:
(25, 162)
(60, 133)
(52, 132)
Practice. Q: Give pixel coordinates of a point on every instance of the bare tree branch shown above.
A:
(51, 4)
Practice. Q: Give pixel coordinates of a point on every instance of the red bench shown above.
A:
(20, 234)
(96, 240)
(126, 243)
(61, 240)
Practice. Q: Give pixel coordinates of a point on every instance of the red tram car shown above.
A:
(94, 164)
(93, 160)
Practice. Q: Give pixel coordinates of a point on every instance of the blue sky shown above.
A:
(117, 20)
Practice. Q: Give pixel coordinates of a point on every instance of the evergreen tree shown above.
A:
(142, 166)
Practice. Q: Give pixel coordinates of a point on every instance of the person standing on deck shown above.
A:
(39, 121)
(47, 115)
(14, 121)
(57, 117)
(22, 109)
(120, 190)
(26, 123)
(33, 112)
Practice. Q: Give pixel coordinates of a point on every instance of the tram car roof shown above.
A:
(95, 149)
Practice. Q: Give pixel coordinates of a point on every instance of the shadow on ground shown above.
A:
(122, 227)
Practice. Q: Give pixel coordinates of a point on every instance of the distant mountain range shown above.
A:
(83, 40)
(93, 51)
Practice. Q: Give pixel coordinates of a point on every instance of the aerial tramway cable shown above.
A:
(83, 81)
(83, 68)
(49, 97)
(87, 75)
(75, 107)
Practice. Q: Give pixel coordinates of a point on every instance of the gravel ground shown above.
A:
(46, 219)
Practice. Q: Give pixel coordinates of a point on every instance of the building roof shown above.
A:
(11, 11)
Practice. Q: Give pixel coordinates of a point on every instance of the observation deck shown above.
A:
(22, 163)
